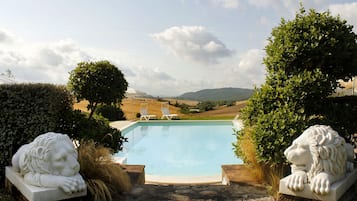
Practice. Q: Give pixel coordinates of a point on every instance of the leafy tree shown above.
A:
(280, 110)
(206, 105)
(310, 41)
(97, 82)
(304, 59)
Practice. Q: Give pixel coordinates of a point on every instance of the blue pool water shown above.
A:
(180, 148)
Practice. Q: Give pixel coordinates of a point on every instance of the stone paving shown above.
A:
(233, 192)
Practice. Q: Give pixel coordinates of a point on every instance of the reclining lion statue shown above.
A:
(319, 156)
(50, 161)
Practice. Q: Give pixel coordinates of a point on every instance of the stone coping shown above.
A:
(34, 193)
(121, 125)
(336, 191)
(155, 179)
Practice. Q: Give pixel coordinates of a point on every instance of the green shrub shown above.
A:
(111, 112)
(341, 114)
(184, 108)
(26, 111)
(79, 127)
(206, 105)
(281, 110)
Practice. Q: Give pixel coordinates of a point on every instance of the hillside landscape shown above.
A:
(131, 106)
(220, 94)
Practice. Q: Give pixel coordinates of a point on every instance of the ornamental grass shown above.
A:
(105, 179)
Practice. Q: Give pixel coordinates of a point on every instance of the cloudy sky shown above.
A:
(163, 47)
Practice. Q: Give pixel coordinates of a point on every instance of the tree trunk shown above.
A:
(92, 109)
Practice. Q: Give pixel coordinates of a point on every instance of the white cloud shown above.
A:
(152, 81)
(6, 37)
(262, 3)
(347, 11)
(291, 6)
(230, 4)
(193, 43)
(250, 70)
(50, 57)
(51, 62)
(41, 62)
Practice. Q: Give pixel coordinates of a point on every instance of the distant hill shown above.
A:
(228, 94)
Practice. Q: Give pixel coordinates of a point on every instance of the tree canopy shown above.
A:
(304, 59)
(313, 40)
(97, 82)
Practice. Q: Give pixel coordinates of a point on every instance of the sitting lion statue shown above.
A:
(319, 156)
(50, 161)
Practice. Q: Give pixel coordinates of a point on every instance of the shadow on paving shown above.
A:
(150, 192)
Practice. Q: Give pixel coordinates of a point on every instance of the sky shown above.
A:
(163, 47)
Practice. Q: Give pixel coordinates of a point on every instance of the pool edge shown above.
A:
(183, 180)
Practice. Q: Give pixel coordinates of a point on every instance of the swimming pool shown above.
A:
(180, 148)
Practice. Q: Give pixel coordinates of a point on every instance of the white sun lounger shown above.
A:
(166, 112)
(144, 114)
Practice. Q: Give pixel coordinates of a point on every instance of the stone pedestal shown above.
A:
(136, 173)
(336, 192)
(34, 193)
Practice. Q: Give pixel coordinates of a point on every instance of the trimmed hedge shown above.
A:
(26, 111)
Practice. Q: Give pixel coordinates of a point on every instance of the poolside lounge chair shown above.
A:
(144, 114)
(166, 112)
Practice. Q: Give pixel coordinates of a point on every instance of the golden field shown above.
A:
(131, 106)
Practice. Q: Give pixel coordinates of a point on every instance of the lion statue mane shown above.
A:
(50, 161)
(319, 156)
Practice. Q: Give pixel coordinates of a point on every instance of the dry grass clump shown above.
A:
(247, 146)
(264, 173)
(104, 178)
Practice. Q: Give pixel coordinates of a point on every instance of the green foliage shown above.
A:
(26, 111)
(206, 105)
(184, 108)
(341, 114)
(111, 112)
(282, 109)
(313, 40)
(97, 82)
(78, 126)
(304, 59)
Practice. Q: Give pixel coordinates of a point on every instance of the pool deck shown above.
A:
(125, 124)
(121, 124)
(154, 179)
